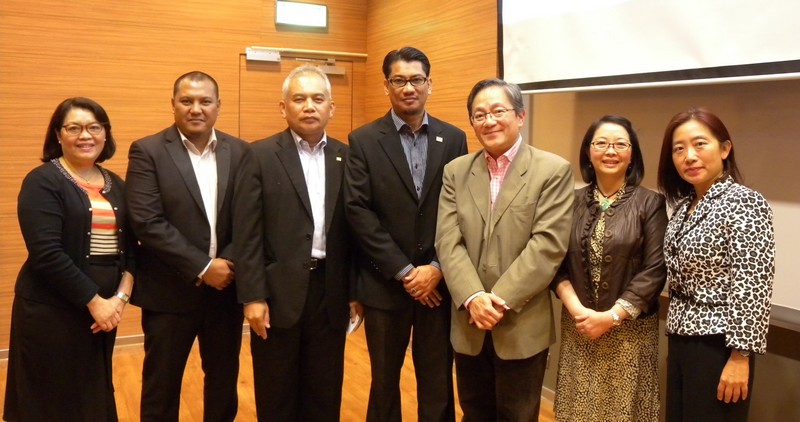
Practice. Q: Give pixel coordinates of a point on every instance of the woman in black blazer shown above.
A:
(74, 285)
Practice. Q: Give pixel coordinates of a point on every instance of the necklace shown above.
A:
(75, 172)
(605, 203)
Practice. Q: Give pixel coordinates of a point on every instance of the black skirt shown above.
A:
(57, 369)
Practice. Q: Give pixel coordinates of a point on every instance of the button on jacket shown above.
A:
(633, 262)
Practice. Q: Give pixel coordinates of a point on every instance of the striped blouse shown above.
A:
(104, 223)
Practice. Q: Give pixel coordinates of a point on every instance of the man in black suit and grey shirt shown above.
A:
(392, 185)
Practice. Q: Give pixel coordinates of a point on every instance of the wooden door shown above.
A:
(260, 94)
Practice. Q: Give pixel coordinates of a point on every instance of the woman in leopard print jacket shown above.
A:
(720, 253)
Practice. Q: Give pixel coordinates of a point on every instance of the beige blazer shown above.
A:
(513, 251)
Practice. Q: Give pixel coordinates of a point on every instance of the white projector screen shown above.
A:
(589, 44)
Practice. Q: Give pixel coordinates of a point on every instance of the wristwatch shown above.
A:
(745, 353)
(616, 321)
(124, 297)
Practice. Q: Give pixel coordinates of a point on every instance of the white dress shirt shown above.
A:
(313, 162)
(204, 164)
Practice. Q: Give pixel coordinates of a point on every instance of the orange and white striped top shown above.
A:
(104, 223)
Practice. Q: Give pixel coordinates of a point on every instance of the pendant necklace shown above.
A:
(605, 203)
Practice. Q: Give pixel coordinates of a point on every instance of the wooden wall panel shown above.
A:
(261, 85)
(459, 38)
(126, 55)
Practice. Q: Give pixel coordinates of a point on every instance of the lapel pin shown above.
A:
(439, 139)
(338, 158)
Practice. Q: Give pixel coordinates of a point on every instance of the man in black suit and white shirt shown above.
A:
(392, 185)
(180, 195)
(296, 288)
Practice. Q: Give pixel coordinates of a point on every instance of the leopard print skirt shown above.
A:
(613, 378)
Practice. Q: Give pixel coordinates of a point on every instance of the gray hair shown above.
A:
(302, 70)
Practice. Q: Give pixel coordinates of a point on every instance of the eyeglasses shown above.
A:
(497, 114)
(75, 130)
(605, 145)
(401, 82)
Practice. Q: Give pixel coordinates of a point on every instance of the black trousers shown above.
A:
(298, 371)
(494, 389)
(694, 365)
(388, 333)
(168, 340)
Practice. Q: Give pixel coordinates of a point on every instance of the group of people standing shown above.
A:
(716, 253)
(455, 253)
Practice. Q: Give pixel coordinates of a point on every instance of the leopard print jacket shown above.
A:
(720, 266)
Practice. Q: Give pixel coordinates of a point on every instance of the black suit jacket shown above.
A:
(167, 214)
(394, 227)
(281, 273)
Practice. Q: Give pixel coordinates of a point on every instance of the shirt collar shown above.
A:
(399, 123)
(212, 143)
(717, 188)
(509, 155)
(303, 144)
(720, 185)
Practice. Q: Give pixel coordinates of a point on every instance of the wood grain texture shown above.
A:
(260, 95)
(459, 38)
(355, 393)
(126, 55)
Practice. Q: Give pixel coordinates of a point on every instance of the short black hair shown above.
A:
(52, 148)
(194, 76)
(406, 54)
(635, 172)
